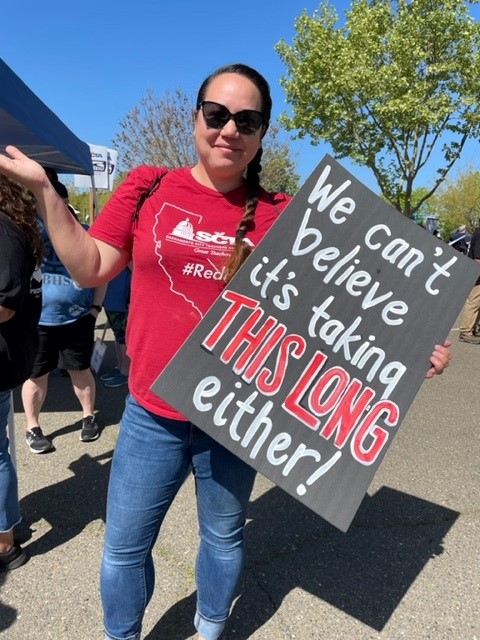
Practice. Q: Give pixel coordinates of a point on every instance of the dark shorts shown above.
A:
(68, 346)
(118, 323)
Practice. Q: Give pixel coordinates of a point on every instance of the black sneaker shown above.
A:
(90, 430)
(37, 442)
(13, 559)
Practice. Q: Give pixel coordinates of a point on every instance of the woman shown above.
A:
(181, 250)
(20, 305)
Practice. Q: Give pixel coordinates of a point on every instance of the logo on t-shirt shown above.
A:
(189, 249)
(186, 228)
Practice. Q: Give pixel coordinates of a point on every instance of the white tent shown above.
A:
(27, 123)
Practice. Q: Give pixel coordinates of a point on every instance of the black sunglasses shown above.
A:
(216, 116)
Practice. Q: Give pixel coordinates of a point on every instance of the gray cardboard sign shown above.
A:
(309, 360)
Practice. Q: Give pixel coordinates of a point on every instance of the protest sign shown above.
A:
(307, 363)
(104, 162)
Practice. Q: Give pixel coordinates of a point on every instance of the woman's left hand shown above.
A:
(440, 359)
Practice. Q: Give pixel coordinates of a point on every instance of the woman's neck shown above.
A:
(222, 184)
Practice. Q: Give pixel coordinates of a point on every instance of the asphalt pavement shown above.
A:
(408, 568)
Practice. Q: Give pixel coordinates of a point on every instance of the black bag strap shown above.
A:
(146, 194)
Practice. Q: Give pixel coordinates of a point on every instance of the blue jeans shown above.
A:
(9, 509)
(152, 458)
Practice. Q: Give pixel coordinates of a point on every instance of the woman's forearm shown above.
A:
(72, 244)
(89, 261)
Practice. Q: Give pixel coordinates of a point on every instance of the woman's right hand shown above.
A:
(17, 166)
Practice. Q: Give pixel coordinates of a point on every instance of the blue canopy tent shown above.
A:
(27, 123)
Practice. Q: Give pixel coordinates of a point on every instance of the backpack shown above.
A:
(148, 192)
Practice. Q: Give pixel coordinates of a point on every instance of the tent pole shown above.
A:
(93, 201)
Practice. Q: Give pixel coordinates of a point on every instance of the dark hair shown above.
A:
(18, 204)
(51, 173)
(59, 187)
(249, 73)
(242, 249)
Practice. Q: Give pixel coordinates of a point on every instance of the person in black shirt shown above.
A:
(20, 305)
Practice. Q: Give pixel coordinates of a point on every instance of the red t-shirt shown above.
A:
(179, 245)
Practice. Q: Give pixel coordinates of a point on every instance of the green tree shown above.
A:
(278, 166)
(160, 132)
(79, 198)
(426, 207)
(458, 202)
(396, 83)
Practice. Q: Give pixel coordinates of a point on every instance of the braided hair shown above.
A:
(242, 249)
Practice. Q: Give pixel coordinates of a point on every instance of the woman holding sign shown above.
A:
(191, 234)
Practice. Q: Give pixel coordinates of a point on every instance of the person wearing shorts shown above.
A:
(66, 339)
(69, 346)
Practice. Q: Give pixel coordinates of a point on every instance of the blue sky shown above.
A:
(91, 62)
